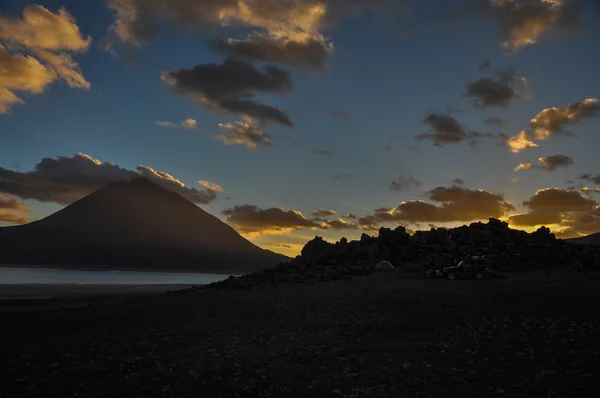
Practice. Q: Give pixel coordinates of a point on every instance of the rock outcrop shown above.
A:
(507, 249)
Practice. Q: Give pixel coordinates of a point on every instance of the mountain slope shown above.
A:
(593, 239)
(134, 225)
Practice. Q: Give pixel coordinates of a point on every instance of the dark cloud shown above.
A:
(289, 32)
(551, 122)
(551, 206)
(458, 181)
(484, 66)
(342, 176)
(66, 179)
(340, 224)
(250, 218)
(341, 114)
(323, 213)
(592, 178)
(494, 121)
(525, 23)
(325, 152)
(498, 90)
(456, 204)
(243, 133)
(311, 53)
(555, 161)
(404, 182)
(231, 87)
(446, 130)
(548, 163)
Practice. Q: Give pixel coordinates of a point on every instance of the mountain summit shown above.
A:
(134, 225)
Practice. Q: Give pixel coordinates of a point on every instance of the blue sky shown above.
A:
(384, 81)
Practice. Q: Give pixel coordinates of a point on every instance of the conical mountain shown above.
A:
(134, 225)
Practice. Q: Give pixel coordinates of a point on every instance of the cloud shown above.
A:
(551, 206)
(188, 123)
(8, 208)
(555, 161)
(456, 204)
(551, 122)
(323, 213)
(310, 52)
(38, 43)
(341, 114)
(342, 176)
(404, 182)
(250, 218)
(325, 152)
(498, 90)
(66, 179)
(446, 130)
(458, 181)
(340, 224)
(485, 65)
(589, 177)
(12, 218)
(8, 203)
(523, 23)
(231, 86)
(548, 163)
(494, 121)
(245, 133)
(581, 224)
(280, 31)
(525, 166)
(211, 186)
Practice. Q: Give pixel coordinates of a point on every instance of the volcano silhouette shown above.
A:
(134, 225)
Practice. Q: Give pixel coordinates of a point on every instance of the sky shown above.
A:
(289, 119)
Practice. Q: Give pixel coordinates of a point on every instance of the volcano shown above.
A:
(134, 225)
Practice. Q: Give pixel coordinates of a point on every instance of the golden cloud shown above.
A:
(44, 36)
(12, 218)
(244, 132)
(551, 122)
(552, 206)
(188, 123)
(457, 204)
(525, 23)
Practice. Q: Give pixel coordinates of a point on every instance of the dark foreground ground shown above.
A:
(381, 335)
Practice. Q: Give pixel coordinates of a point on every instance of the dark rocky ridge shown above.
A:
(508, 249)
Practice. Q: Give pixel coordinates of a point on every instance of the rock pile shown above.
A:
(508, 249)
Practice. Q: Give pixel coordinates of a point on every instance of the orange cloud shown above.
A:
(457, 204)
(12, 218)
(551, 122)
(552, 206)
(42, 37)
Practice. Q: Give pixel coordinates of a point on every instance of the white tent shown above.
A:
(384, 266)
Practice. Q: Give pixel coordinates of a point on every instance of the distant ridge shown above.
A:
(593, 239)
(134, 225)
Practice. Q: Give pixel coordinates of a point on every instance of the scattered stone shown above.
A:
(506, 249)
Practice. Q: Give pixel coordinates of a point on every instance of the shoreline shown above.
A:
(109, 269)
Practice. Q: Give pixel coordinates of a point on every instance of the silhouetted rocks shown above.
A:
(507, 249)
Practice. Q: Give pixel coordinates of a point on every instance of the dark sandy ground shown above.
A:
(21, 297)
(383, 335)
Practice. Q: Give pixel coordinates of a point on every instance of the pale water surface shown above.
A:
(15, 276)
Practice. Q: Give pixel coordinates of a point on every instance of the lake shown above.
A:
(16, 276)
